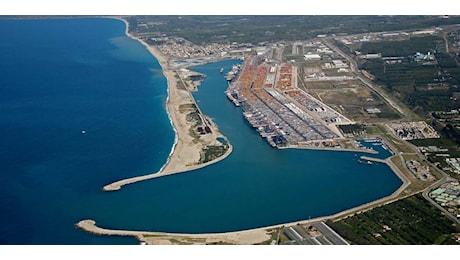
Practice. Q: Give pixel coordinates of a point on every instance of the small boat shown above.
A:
(83, 132)
(365, 162)
(221, 70)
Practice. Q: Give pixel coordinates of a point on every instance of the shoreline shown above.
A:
(245, 236)
(161, 60)
(184, 155)
(356, 150)
(175, 165)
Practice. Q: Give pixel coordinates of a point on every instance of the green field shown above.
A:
(413, 221)
(212, 152)
(404, 48)
(269, 28)
(424, 86)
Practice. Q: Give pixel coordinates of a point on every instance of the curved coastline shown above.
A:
(118, 184)
(155, 54)
(183, 157)
(241, 237)
(170, 167)
(250, 236)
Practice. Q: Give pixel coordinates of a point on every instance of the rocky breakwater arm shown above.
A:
(118, 184)
(245, 237)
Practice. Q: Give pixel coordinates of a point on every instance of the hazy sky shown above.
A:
(235, 7)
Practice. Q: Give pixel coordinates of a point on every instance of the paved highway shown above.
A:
(445, 178)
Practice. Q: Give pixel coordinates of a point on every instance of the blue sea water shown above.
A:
(62, 76)
(57, 79)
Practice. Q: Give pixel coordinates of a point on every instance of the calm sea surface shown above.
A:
(61, 77)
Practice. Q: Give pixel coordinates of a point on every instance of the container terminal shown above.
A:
(280, 111)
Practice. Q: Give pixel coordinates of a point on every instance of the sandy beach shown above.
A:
(185, 153)
(184, 157)
(162, 238)
(242, 237)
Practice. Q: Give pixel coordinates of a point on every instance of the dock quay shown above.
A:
(233, 73)
(372, 140)
(283, 113)
(372, 159)
(233, 97)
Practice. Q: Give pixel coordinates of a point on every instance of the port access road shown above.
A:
(366, 81)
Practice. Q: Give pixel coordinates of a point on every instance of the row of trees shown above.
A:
(411, 221)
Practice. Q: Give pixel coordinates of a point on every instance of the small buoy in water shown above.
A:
(83, 131)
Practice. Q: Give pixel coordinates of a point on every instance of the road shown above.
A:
(445, 178)
(366, 81)
(447, 30)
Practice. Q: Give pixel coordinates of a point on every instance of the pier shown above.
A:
(283, 114)
(372, 159)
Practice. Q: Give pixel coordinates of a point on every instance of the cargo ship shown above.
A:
(232, 73)
(234, 99)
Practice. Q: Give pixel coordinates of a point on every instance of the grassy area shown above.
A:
(352, 99)
(194, 116)
(405, 47)
(212, 152)
(442, 142)
(415, 185)
(179, 83)
(194, 134)
(439, 142)
(411, 221)
(380, 130)
(435, 157)
(352, 129)
(373, 129)
(187, 107)
(423, 85)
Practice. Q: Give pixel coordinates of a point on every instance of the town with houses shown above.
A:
(325, 93)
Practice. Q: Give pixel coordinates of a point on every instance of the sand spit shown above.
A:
(183, 158)
(181, 169)
(185, 153)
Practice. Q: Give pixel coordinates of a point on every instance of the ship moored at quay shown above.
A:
(281, 112)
